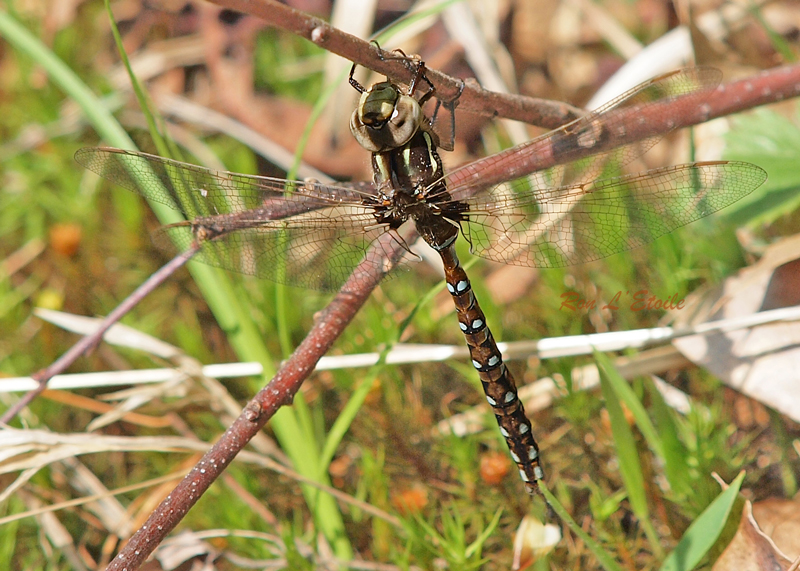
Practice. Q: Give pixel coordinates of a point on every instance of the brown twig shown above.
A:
(279, 392)
(475, 99)
(769, 86)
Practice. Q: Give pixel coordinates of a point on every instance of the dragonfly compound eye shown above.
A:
(385, 119)
(378, 105)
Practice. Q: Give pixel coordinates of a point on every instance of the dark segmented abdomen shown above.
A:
(498, 383)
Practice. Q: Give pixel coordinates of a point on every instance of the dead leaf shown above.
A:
(750, 549)
(780, 520)
(762, 362)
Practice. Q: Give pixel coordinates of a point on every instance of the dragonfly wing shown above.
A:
(295, 232)
(198, 191)
(618, 132)
(317, 250)
(579, 223)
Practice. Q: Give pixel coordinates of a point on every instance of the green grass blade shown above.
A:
(704, 531)
(412, 18)
(346, 417)
(141, 95)
(92, 107)
(675, 453)
(476, 546)
(629, 466)
(769, 140)
(625, 393)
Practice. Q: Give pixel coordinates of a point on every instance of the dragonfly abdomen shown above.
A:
(497, 381)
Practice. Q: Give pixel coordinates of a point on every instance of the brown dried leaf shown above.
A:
(780, 520)
(763, 362)
(750, 549)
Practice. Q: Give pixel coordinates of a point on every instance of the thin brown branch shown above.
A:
(474, 99)
(279, 392)
(769, 86)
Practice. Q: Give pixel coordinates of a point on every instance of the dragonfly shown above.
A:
(309, 234)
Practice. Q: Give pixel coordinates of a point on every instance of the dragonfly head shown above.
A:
(385, 118)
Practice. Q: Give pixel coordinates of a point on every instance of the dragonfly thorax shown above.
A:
(385, 118)
(407, 169)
